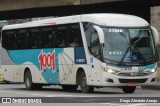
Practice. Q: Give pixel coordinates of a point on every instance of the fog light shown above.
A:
(109, 80)
(154, 79)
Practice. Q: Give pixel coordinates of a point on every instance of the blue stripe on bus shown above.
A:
(140, 68)
(148, 66)
(21, 56)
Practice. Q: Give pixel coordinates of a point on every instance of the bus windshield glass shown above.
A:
(129, 46)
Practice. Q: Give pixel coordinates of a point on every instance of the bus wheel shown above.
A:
(70, 87)
(129, 89)
(28, 82)
(83, 84)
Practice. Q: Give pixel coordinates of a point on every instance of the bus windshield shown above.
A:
(129, 46)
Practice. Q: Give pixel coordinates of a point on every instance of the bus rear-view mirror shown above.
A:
(100, 34)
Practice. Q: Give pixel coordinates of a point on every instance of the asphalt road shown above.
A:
(102, 96)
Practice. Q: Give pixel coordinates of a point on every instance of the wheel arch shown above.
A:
(79, 71)
(87, 70)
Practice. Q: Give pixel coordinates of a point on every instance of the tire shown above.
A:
(83, 84)
(129, 89)
(70, 87)
(28, 82)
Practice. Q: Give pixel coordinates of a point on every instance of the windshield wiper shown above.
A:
(126, 52)
(142, 57)
(111, 60)
(129, 48)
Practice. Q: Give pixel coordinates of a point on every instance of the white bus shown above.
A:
(90, 50)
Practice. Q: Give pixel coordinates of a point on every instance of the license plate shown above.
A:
(132, 83)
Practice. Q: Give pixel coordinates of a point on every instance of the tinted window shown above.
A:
(88, 29)
(95, 45)
(75, 38)
(92, 39)
(48, 37)
(62, 32)
(9, 39)
(43, 37)
(21, 41)
(33, 38)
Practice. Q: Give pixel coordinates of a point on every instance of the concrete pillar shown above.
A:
(155, 17)
(155, 21)
(25, 4)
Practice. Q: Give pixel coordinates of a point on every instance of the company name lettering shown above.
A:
(47, 60)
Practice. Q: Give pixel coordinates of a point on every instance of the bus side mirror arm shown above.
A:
(100, 33)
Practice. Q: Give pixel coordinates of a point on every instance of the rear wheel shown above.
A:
(28, 82)
(70, 87)
(83, 84)
(129, 89)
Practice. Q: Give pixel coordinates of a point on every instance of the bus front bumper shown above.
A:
(116, 80)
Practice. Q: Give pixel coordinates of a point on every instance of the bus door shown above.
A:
(95, 59)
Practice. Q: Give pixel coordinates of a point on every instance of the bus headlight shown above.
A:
(153, 70)
(111, 71)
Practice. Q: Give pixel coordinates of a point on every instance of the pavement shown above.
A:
(103, 96)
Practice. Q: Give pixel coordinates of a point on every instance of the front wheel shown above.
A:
(28, 82)
(83, 84)
(129, 89)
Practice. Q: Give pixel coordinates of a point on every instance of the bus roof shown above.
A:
(105, 19)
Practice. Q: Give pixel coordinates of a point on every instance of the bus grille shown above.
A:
(129, 74)
(133, 80)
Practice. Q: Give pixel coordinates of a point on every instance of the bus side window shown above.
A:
(88, 29)
(92, 39)
(48, 37)
(75, 37)
(62, 35)
(21, 39)
(33, 39)
(9, 40)
(95, 45)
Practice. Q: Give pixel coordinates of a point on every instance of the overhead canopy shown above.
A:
(18, 9)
